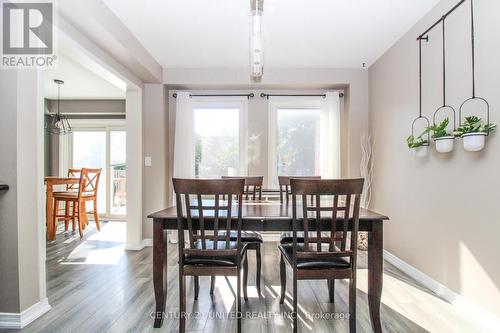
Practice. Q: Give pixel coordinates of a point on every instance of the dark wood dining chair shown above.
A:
(284, 183)
(253, 187)
(209, 254)
(87, 191)
(318, 257)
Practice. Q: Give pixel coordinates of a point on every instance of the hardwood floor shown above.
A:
(96, 286)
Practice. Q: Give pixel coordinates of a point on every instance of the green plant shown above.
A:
(415, 142)
(439, 130)
(474, 124)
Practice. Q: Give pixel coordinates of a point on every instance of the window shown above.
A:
(297, 146)
(93, 144)
(304, 137)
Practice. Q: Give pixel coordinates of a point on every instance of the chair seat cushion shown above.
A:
(287, 237)
(204, 259)
(312, 263)
(247, 236)
(71, 195)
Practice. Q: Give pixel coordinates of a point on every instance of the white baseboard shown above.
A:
(483, 317)
(148, 242)
(20, 320)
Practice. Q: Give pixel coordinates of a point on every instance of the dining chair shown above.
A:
(209, 254)
(284, 184)
(319, 257)
(87, 191)
(253, 186)
(69, 209)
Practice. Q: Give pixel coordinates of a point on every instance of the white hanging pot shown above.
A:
(474, 141)
(420, 151)
(445, 144)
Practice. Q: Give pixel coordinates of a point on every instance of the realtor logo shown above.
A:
(27, 29)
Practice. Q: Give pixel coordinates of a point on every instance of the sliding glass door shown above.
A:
(105, 148)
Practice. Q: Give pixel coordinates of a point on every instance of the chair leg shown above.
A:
(73, 216)
(81, 218)
(295, 314)
(245, 276)
(283, 279)
(54, 214)
(259, 265)
(238, 299)
(66, 215)
(352, 305)
(196, 287)
(182, 302)
(212, 285)
(96, 216)
(331, 290)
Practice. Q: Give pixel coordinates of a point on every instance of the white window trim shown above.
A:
(274, 104)
(240, 103)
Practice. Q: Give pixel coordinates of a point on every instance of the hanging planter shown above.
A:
(419, 145)
(473, 130)
(443, 139)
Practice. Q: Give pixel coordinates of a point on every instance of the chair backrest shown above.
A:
(73, 173)
(331, 197)
(89, 182)
(253, 186)
(203, 196)
(284, 183)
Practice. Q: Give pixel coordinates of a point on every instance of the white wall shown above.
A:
(444, 209)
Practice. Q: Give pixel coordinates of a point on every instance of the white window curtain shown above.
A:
(330, 136)
(183, 144)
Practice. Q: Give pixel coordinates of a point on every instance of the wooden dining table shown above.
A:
(50, 182)
(268, 216)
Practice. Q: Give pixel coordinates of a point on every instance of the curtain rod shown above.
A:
(251, 95)
(422, 35)
(295, 95)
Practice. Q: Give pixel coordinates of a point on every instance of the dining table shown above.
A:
(50, 182)
(269, 215)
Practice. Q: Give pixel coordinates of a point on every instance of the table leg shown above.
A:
(160, 244)
(375, 271)
(49, 211)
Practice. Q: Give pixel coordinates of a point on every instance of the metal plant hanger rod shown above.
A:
(444, 106)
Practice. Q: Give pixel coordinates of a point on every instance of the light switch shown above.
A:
(147, 161)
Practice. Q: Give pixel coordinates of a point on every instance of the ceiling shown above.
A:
(79, 82)
(298, 34)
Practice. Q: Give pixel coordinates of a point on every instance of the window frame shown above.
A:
(240, 103)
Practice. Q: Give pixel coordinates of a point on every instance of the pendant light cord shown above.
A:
(58, 97)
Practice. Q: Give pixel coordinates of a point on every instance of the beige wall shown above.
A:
(155, 136)
(444, 209)
(21, 217)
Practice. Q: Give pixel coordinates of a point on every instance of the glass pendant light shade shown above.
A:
(256, 42)
(57, 123)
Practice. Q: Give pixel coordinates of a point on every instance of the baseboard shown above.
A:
(486, 319)
(21, 320)
(148, 242)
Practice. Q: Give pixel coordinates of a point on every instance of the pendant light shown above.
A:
(57, 123)
(256, 41)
